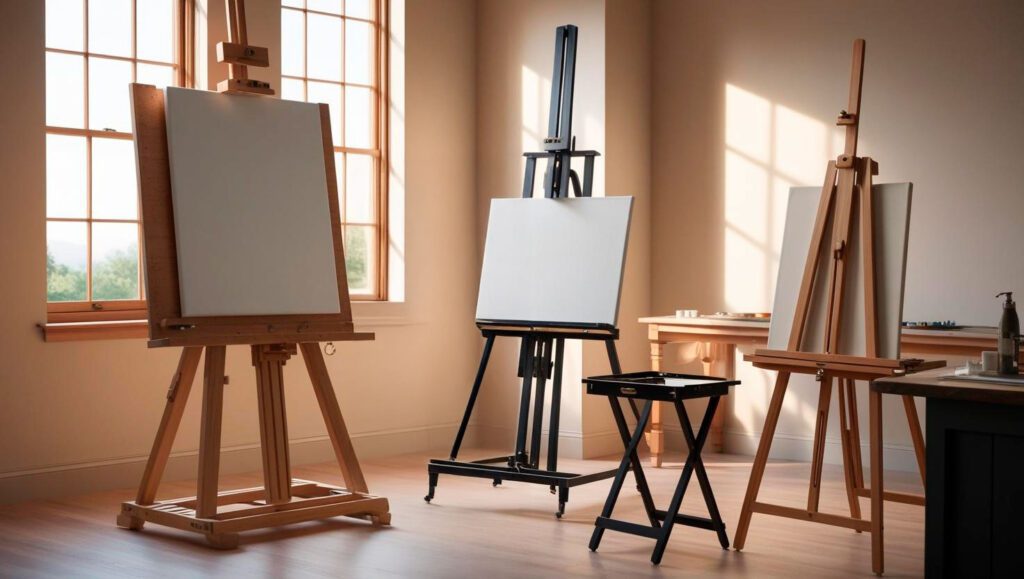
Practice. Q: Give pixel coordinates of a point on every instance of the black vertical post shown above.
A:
(541, 371)
(472, 396)
(529, 347)
(556, 404)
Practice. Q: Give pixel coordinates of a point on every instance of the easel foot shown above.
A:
(225, 541)
(381, 520)
(126, 521)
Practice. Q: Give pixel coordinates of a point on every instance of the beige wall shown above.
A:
(76, 416)
(745, 95)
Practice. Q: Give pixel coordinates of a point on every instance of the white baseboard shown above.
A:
(124, 473)
(896, 457)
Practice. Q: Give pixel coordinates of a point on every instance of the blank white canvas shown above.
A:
(251, 215)
(554, 260)
(891, 222)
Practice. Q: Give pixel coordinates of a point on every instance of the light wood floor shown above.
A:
(471, 530)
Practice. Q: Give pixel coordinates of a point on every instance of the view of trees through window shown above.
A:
(94, 49)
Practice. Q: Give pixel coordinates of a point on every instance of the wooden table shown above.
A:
(721, 338)
(975, 476)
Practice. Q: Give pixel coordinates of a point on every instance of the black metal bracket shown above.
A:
(560, 144)
(541, 357)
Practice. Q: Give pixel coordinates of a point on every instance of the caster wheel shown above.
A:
(496, 482)
(427, 499)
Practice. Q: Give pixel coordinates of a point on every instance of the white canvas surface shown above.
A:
(251, 215)
(554, 260)
(892, 223)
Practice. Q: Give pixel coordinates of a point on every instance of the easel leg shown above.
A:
(177, 397)
(858, 464)
(336, 429)
(761, 458)
(655, 434)
(556, 405)
(818, 453)
(209, 436)
(472, 397)
(269, 361)
(915, 433)
(877, 543)
(529, 347)
(847, 445)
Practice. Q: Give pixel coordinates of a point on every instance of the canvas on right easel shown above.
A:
(891, 208)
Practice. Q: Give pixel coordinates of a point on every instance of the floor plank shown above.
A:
(472, 530)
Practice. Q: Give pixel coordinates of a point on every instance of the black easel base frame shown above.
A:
(539, 344)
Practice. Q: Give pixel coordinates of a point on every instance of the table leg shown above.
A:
(877, 544)
(655, 434)
(720, 360)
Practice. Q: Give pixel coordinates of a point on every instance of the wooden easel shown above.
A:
(848, 179)
(272, 341)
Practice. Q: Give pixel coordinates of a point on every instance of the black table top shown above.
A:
(935, 384)
(658, 385)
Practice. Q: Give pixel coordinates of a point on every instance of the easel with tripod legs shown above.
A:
(542, 345)
(848, 185)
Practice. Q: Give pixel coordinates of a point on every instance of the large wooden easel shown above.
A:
(272, 340)
(848, 184)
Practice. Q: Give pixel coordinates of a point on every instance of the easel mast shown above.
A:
(848, 184)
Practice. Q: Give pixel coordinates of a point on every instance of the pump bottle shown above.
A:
(1009, 336)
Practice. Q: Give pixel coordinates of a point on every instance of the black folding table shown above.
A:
(675, 388)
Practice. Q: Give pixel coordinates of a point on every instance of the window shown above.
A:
(94, 49)
(334, 52)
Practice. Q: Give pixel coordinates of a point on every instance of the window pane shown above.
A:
(155, 74)
(154, 21)
(110, 27)
(358, 52)
(358, 112)
(65, 24)
(295, 3)
(339, 172)
(359, 259)
(65, 176)
(114, 193)
(115, 261)
(359, 8)
(332, 6)
(65, 261)
(293, 43)
(291, 89)
(322, 92)
(324, 51)
(108, 94)
(359, 189)
(65, 90)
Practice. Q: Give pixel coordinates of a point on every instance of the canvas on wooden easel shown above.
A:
(233, 257)
(837, 316)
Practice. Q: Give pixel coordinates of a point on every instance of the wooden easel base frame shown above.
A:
(852, 464)
(282, 500)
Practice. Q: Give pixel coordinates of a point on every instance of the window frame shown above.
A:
(184, 52)
(379, 88)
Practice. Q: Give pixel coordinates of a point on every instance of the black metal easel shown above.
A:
(543, 345)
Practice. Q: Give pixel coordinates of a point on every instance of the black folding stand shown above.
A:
(539, 346)
(661, 522)
(540, 341)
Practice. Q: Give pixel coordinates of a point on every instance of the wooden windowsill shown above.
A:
(111, 330)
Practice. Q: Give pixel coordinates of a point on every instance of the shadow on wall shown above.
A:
(769, 148)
